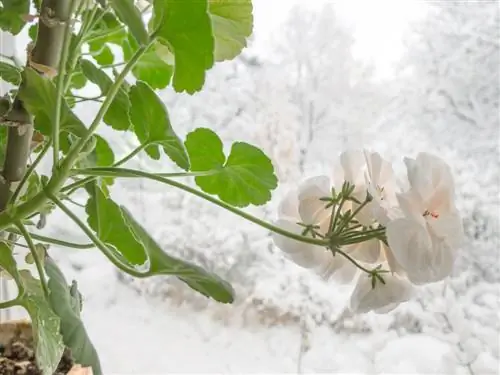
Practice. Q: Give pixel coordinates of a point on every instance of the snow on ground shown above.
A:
(141, 335)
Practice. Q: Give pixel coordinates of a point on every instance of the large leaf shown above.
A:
(117, 116)
(245, 177)
(185, 27)
(116, 227)
(10, 73)
(128, 13)
(49, 346)
(232, 24)
(39, 97)
(67, 306)
(12, 15)
(152, 125)
(150, 68)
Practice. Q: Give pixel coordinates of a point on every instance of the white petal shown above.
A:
(311, 208)
(366, 252)
(289, 206)
(409, 242)
(384, 296)
(428, 174)
(424, 257)
(449, 228)
(386, 255)
(412, 206)
(339, 270)
(353, 164)
(303, 254)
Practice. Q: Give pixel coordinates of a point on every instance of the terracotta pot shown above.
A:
(22, 328)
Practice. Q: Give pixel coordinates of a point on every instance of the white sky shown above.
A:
(379, 24)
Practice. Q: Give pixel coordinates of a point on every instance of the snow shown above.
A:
(303, 108)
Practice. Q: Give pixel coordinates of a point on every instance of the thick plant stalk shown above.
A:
(44, 58)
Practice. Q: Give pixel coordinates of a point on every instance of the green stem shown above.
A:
(57, 180)
(70, 189)
(353, 261)
(56, 123)
(54, 241)
(36, 258)
(74, 152)
(337, 215)
(9, 304)
(96, 240)
(123, 172)
(78, 44)
(30, 170)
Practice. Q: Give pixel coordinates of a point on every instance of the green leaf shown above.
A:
(8, 263)
(150, 68)
(128, 13)
(11, 19)
(245, 177)
(65, 302)
(152, 125)
(39, 97)
(101, 53)
(117, 116)
(232, 23)
(49, 346)
(105, 218)
(33, 31)
(185, 27)
(116, 227)
(10, 73)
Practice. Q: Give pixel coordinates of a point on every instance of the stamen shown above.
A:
(432, 214)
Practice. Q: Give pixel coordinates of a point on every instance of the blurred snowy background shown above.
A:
(398, 77)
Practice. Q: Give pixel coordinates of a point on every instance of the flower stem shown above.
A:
(126, 173)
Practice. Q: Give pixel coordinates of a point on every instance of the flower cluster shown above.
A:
(357, 225)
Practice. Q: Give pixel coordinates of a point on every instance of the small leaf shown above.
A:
(245, 177)
(101, 53)
(150, 68)
(49, 346)
(117, 115)
(10, 73)
(12, 15)
(185, 27)
(128, 13)
(152, 125)
(39, 96)
(65, 302)
(116, 227)
(232, 24)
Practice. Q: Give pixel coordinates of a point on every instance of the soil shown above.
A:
(18, 358)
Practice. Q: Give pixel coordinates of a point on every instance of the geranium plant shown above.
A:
(353, 223)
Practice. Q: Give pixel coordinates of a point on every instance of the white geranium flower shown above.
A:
(384, 297)
(425, 239)
(369, 173)
(303, 206)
